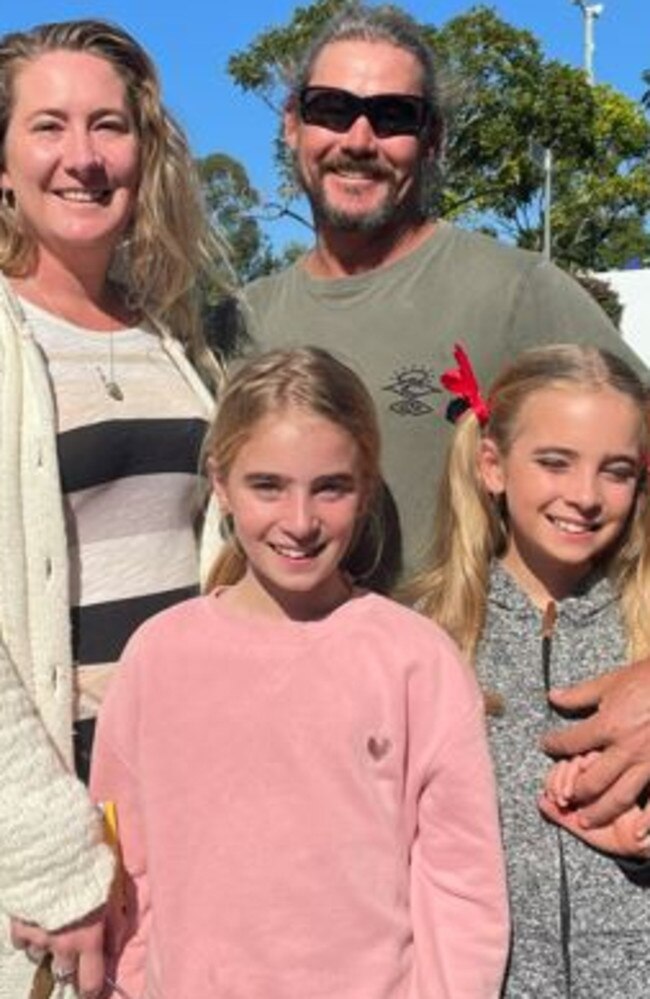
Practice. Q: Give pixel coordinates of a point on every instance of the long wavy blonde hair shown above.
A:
(311, 379)
(470, 528)
(170, 245)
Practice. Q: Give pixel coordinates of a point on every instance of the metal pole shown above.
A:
(548, 166)
(589, 12)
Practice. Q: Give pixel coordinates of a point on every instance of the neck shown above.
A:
(543, 582)
(341, 253)
(252, 596)
(81, 294)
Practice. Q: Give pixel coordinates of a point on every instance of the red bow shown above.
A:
(462, 382)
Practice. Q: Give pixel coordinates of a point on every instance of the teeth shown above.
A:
(86, 196)
(570, 527)
(295, 553)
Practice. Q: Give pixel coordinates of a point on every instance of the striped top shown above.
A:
(128, 462)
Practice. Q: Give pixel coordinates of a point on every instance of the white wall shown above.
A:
(633, 288)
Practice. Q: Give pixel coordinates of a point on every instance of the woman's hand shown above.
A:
(77, 950)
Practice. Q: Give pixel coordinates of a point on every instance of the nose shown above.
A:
(584, 492)
(360, 136)
(300, 519)
(81, 153)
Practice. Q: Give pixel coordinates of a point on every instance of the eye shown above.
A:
(113, 124)
(553, 463)
(334, 487)
(46, 125)
(620, 472)
(265, 485)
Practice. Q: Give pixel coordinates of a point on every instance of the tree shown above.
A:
(502, 92)
(233, 203)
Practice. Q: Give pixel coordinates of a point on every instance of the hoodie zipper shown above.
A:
(548, 626)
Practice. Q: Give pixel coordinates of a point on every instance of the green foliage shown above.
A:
(266, 65)
(233, 204)
(605, 295)
(504, 95)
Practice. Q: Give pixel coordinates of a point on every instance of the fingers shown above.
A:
(90, 972)
(587, 694)
(581, 737)
(620, 795)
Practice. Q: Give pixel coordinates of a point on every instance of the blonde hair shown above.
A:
(313, 380)
(170, 244)
(470, 529)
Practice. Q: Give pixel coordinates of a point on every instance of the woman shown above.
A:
(105, 391)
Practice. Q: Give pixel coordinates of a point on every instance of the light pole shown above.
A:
(590, 11)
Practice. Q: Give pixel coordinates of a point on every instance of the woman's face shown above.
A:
(72, 155)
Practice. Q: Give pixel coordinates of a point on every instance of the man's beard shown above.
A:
(388, 212)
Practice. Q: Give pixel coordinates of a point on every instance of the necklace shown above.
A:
(111, 384)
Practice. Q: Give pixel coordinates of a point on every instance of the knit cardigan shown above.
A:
(54, 867)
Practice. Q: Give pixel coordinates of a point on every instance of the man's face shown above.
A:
(355, 179)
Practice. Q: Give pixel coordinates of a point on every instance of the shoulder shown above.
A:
(401, 627)
(268, 286)
(168, 626)
(486, 250)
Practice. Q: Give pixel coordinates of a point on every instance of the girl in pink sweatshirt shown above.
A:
(305, 802)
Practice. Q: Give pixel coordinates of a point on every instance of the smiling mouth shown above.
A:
(298, 554)
(82, 196)
(574, 527)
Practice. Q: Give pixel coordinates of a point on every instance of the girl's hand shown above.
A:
(560, 781)
(628, 835)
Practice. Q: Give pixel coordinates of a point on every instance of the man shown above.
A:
(391, 291)
(385, 287)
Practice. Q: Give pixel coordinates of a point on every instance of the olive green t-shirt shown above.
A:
(396, 326)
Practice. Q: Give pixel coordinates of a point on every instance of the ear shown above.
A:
(291, 124)
(490, 467)
(218, 485)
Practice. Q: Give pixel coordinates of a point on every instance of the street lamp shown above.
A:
(590, 11)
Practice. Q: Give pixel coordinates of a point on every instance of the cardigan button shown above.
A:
(54, 677)
(48, 567)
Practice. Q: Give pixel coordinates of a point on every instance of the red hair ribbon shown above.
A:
(462, 382)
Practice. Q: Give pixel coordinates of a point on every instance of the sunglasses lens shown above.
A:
(337, 110)
(333, 109)
(396, 115)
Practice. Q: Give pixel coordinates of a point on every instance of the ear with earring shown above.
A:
(227, 527)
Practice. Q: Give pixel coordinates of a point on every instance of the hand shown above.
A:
(628, 835)
(620, 727)
(77, 948)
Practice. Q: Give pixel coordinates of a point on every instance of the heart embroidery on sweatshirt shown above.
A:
(378, 748)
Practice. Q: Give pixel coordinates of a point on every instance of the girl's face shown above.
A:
(569, 481)
(295, 491)
(72, 154)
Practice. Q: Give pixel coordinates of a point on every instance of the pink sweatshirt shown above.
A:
(306, 810)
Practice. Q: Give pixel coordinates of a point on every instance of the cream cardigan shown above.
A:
(53, 866)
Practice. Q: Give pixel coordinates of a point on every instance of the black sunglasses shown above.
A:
(389, 114)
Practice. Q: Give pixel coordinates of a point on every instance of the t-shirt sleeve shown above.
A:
(54, 867)
(554, 308)
(458, 894)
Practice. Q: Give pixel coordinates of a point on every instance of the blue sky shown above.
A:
(191, 41)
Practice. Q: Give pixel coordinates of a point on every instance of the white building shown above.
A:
(633, 289)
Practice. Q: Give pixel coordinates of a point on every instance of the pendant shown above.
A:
(114, 391)
(111, 387)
